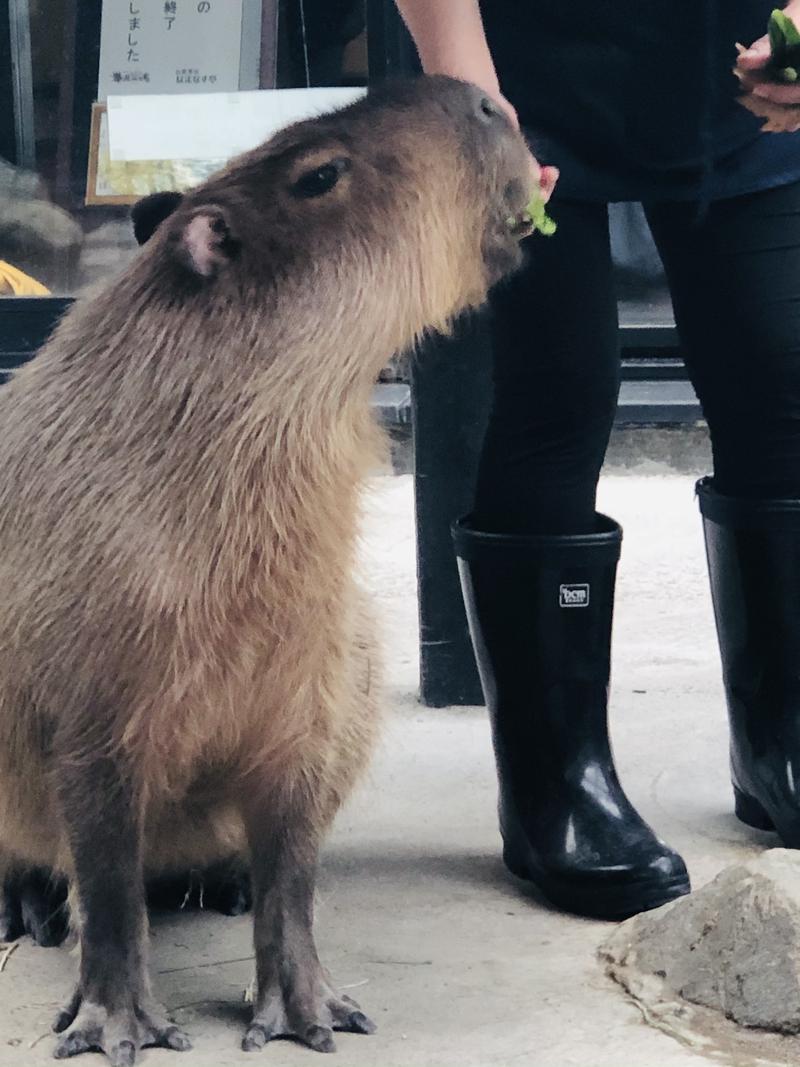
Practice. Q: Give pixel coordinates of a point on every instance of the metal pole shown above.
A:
(19, 20)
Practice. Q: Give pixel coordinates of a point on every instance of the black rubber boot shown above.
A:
(540, 611)
(753, 550)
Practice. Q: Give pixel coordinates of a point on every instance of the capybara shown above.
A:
(188, 670)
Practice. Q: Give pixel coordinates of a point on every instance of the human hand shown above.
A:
(777, 103)
(450, 40)
(548, 177)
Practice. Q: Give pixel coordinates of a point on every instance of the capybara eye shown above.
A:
(320, 180)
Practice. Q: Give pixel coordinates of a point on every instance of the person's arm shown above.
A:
(450, 40)
(778, 104)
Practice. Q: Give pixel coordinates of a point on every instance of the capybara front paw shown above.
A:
(119, 1034)
(313, 1025)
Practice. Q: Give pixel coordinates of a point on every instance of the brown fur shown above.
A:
(180, 483)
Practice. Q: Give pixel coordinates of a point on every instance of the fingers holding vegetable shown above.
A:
(548, 177)
(769, 72)
(778, 118)
(773, 59)
(754, 58)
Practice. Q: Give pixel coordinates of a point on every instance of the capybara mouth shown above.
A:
(532, 219)
(520, 225)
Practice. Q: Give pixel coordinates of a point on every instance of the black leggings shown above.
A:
(734, 276)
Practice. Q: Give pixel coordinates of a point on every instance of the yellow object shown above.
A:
(14, 283)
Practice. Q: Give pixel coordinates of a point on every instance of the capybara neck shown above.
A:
(237, 424)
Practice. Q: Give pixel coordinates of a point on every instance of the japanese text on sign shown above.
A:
(170, 46)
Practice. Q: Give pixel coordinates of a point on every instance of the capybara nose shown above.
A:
(489, 111)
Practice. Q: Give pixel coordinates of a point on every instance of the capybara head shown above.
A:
(406, 195)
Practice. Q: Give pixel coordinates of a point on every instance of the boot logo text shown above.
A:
(574, 596)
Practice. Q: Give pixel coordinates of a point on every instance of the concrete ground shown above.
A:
(416, 918)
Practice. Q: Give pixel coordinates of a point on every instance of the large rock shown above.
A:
(37, 225)
(732, 949)
(19, 184)
(42, 240)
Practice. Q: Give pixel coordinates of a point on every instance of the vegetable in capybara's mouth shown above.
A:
(533, 219)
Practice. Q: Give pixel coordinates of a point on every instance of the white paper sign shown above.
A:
(169, 46)
(212, 126)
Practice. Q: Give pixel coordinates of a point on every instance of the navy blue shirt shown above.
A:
(636, 99)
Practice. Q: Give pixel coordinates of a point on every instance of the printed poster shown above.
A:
(170, 46)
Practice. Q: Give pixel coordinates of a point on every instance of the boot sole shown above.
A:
(612, 903)
(749, 811)
(753, 813)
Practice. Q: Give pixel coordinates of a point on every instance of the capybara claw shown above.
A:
(120, 1035)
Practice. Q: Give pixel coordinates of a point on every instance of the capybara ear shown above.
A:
(148, 214)
(207, 241)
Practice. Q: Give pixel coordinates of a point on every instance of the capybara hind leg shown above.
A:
(111, 1009)
(34, 902)
(10, 917)
(224, 887)
(292, 997)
